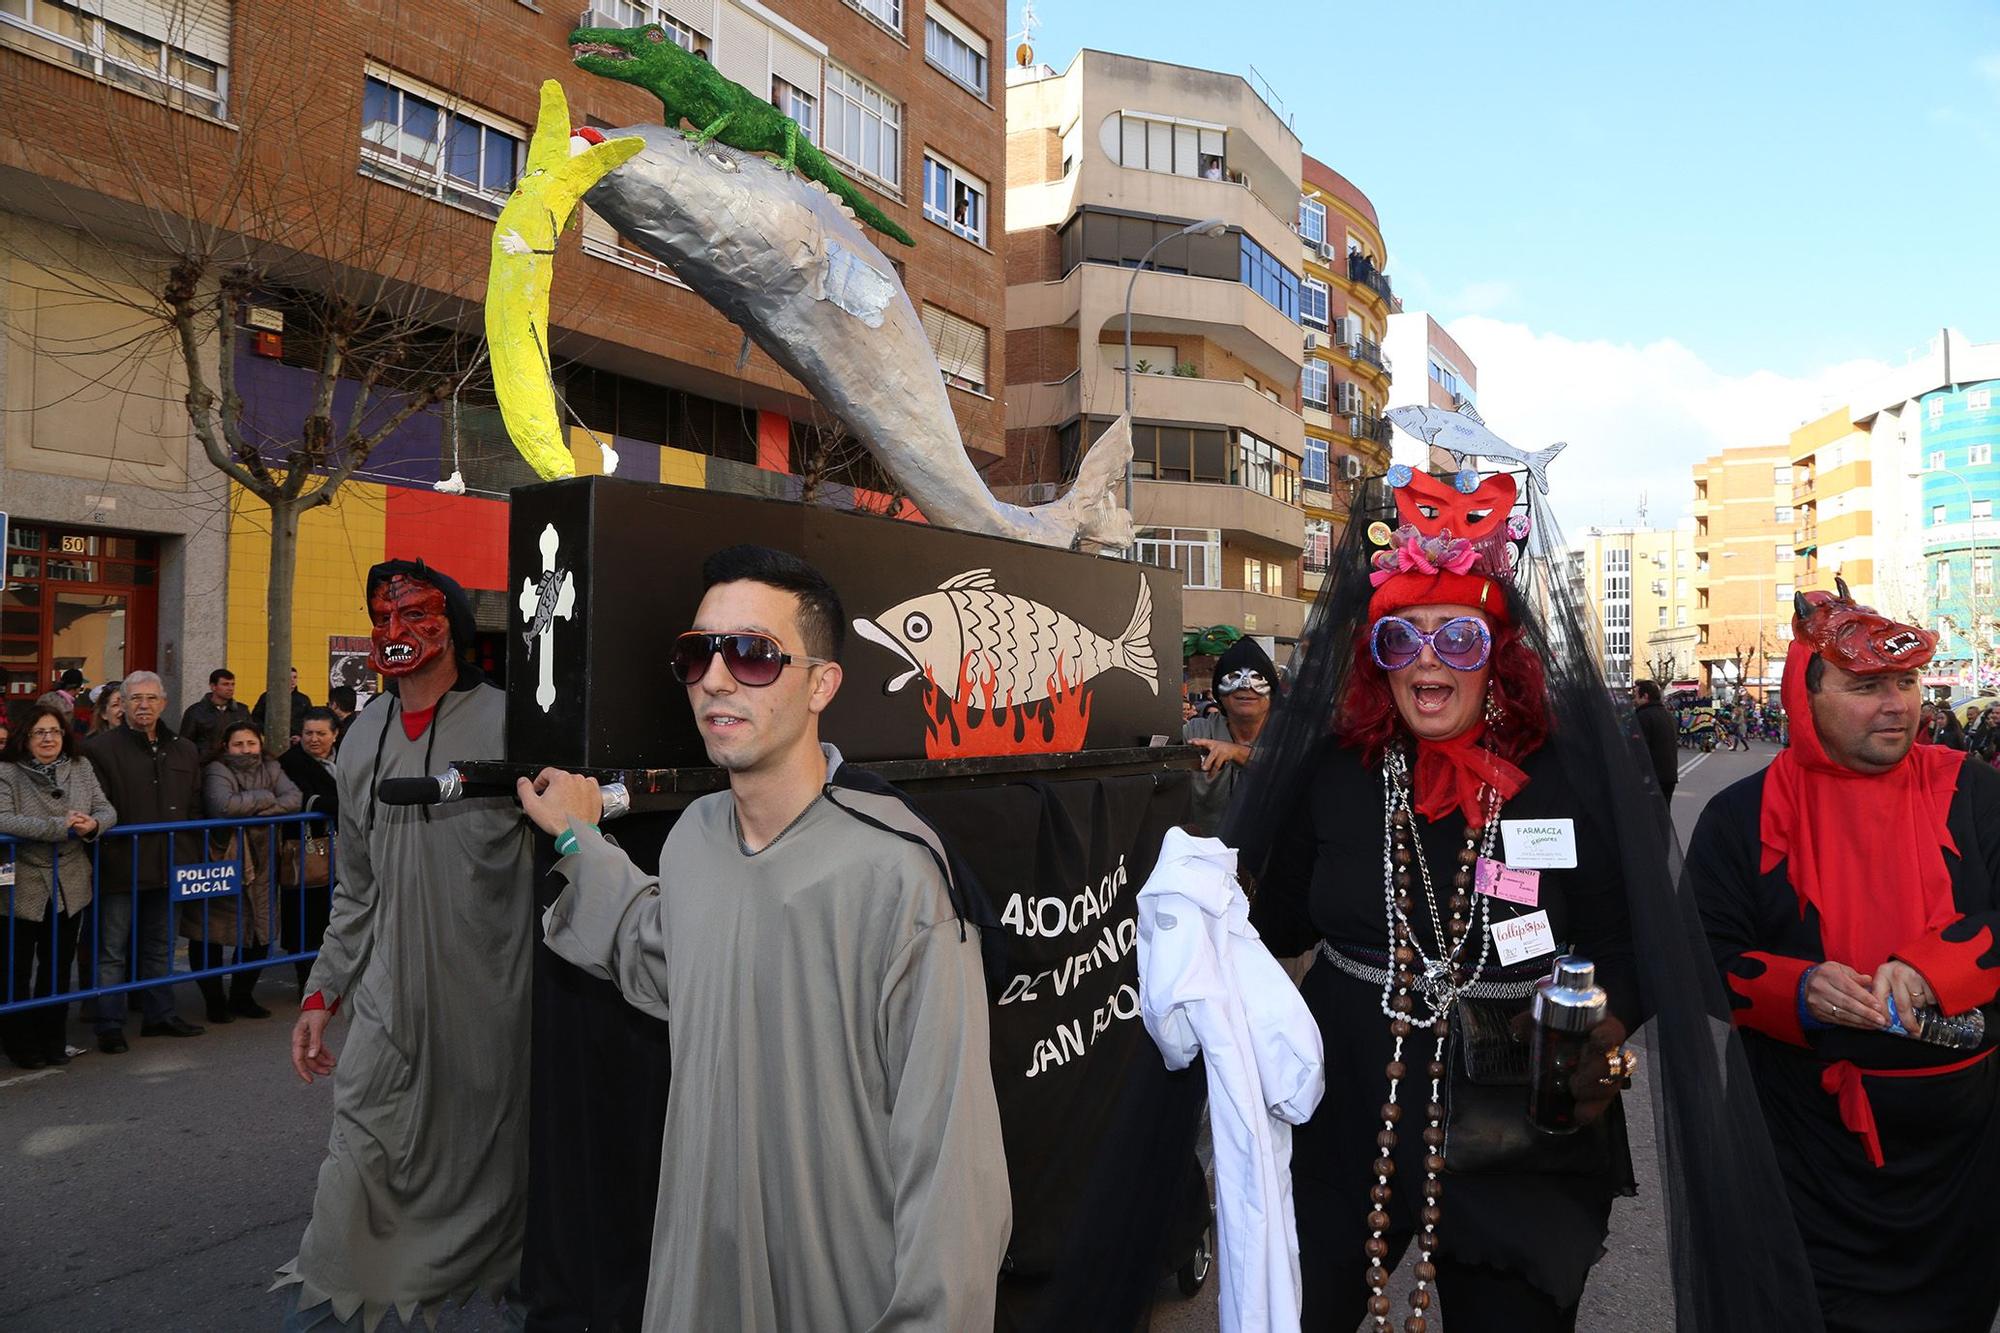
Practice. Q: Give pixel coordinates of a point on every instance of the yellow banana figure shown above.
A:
(560, 170)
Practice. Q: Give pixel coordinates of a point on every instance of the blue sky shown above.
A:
(1737, 202)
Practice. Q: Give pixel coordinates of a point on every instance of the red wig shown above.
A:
(1366, 716)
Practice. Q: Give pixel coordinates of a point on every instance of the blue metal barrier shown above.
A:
(196, 882)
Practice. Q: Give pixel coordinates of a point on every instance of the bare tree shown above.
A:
(372, 276)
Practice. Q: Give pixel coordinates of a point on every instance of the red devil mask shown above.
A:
(1858, 638)
(1432, 506)
(412, 628)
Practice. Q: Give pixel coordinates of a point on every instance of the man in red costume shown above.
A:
(1851, 893)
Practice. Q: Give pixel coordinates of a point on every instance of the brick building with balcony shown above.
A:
(1346, 306)
(130, 551)
(1109, 164)
(1743, 556)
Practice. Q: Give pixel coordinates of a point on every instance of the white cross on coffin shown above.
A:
(544, 602)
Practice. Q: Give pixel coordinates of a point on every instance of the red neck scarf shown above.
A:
(1451, 772)
(1866, 849)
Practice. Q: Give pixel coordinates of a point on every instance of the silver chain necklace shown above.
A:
(736, 825)
(1437, 978)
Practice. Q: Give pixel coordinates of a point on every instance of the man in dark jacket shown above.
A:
(151, 776)
(1662, 737)
(260, 715)
(309, 765)
(208, 717)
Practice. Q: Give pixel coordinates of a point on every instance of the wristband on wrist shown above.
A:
(566, 840)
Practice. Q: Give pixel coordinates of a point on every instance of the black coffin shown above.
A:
(992, 647)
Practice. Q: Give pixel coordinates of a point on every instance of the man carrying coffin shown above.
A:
(422, 1196)
(832, 1154)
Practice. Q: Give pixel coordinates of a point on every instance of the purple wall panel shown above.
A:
(276, 398)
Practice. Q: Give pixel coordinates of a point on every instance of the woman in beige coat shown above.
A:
(52, 805)
(240, 782)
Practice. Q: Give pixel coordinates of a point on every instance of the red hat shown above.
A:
(1452, 548)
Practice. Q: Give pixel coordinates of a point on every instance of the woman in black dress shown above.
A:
(1446, 803)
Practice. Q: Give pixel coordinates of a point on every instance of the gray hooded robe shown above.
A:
(422, 1196)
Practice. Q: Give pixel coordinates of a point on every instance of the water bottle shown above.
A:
(1958, 1032)
(1568, 1004)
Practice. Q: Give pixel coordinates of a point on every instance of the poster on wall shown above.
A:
(347, 664)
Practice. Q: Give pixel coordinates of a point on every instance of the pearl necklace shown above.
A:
(1440, 987)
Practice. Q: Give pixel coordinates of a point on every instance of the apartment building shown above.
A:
(130, 551)
(1640, 582)
(1743, 566)
(1345, 304)
(1182, 190)
(1450, 379)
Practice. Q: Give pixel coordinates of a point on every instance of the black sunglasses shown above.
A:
(750, 659)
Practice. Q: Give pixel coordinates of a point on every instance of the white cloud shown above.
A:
(1636, 418)
(1988, 68)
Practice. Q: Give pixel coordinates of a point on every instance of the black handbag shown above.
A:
(1486, 1127)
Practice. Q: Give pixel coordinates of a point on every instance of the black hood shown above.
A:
(1246, 653)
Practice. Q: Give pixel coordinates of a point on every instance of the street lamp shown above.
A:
(1210, 227)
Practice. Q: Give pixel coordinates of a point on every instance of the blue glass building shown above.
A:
(1961, 534)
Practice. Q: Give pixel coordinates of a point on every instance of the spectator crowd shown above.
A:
(81, 905)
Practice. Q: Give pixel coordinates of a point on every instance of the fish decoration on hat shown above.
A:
(1464, 436)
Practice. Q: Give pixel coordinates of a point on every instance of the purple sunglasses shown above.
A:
(1462, 643)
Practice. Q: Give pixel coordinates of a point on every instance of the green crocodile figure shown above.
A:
(691, 89)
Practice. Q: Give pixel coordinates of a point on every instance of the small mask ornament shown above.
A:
(412, 628)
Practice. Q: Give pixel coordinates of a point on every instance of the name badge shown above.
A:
(1496, 880)
(1540, 844)
(1523, 937)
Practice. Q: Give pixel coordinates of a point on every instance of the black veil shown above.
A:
(1736, 1258)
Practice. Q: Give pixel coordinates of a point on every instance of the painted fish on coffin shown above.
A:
(1021, 646)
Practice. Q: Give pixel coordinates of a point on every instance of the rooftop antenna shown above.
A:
(1024, 54)
(1642, 509)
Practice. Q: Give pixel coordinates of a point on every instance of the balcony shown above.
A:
(1361, 269)
(1163, 398)
(1091, 299)
(1363, 426)
(1371, 352)
(1802, 491)
(1251, 612)
(1239, 511)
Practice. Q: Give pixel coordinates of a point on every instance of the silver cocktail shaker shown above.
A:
(1568, 1004)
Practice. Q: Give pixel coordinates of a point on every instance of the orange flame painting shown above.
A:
(963, 724)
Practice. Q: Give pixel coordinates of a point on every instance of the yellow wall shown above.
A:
(1823, 431)
(678, 467)
(337, 545)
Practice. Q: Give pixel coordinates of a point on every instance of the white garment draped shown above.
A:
(1209, 987)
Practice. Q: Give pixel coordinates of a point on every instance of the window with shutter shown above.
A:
(960, 346)
(176, 51)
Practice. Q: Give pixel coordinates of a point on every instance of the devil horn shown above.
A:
(1801, 607)
(1840, 585)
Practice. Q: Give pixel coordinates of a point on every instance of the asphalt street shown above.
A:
(158, 1190)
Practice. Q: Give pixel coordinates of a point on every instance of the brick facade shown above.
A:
(74, 144)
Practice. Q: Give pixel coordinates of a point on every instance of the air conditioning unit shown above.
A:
(1350, 330)
(1326, 252)
(1350, 468)
(1312, 343)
